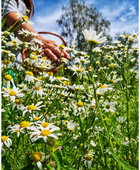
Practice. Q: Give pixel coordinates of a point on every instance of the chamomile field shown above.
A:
(84, 115)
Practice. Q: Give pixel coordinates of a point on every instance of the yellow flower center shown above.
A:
(37, 88)
(37, 156)
(24, 43)
(34, 57)
(45, 133)
(5, 52)
(61, 46)
(88, 158)
(93, 41)
(78, 70)
(36, 118)
(50, 73)
(111, 65)
(44, 58)
(24, 124)
(107, 106)
(12, 93)
(58, 78)
(80, 104)
(33, 53)
(102, 86)
(17, 130)
(31, 107)
(45, 124)
(17, 101)
(37, 50)
(5, 61)
(4, 138)
(8, 77)
(127, 35)
(82, 61)
(14, 43)
(39, 78)
(25, 17)
(29, 73)
(66, 82)
(131, 40)
(62, 94)
(92, 106)
(111, 81)
(63, 59)
(5, 33)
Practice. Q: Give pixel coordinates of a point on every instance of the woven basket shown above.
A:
(34, 69)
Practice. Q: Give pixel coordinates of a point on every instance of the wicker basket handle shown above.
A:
(44, 32)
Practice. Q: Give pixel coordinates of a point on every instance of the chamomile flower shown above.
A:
(29, 76)
(44, 133)
(6, 141)
(37, 49)
(18, 104)
(71, 125)
(78, 70)
(15, 129)
(92, 104)
(109, 106)
(134, 34)
(88, 160)
(80, 106)
(26, 33)
(12, 93)
(102, 89)
(37, 90)
(7, 79)
(38, 157)
(36, 41)
(93, 143)
(92, 38)
(32, 107)
(25, 18)
(35, 118)
(82, 60)
(97, 50)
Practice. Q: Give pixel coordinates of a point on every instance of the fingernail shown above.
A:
(55, 58)
(68, 57)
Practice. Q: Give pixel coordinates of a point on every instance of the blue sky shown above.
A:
(123, 15)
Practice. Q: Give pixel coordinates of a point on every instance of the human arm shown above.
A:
(49, 46)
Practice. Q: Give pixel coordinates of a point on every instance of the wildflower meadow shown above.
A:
(82, 115)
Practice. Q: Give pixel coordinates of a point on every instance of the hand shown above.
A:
(52, 51)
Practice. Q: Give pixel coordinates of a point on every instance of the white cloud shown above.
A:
(48, 23)
(120, 27)
(133, 11)
(122, 18)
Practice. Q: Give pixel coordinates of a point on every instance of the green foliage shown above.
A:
(29, 167)
(59, 159)
(124, 164)
(3, 22)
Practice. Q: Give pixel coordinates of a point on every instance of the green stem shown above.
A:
(128, 123)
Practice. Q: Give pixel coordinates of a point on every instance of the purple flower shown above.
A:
(60, 147)
(53, 163)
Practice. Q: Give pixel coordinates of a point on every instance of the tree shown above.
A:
(77, 16)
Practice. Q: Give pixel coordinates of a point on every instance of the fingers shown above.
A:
(66, 55)
(45, 55)
(53, 51)
(50, 54)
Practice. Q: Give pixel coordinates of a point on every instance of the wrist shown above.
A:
(39, 37)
